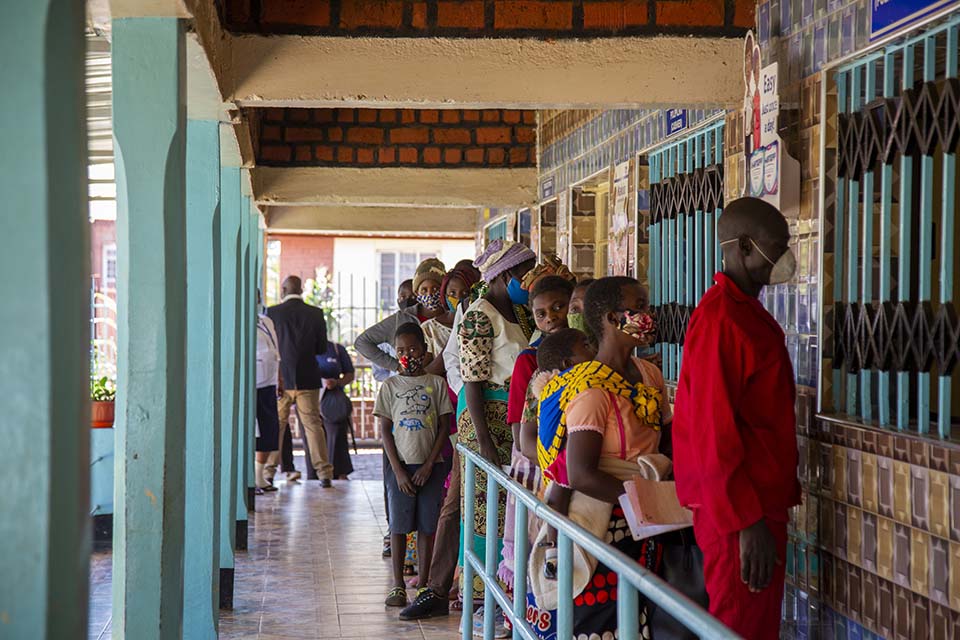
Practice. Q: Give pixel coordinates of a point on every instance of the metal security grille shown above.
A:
(686, 198)
(895, 325)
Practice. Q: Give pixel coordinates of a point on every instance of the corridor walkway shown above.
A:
(313, 571)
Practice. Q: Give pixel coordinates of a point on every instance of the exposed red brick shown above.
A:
(324, 115)
(387, 155)
(475, 156)
(301, 255)
(526, 135)
(744, 13)
(615, 15)
(388, 115)
(344, 154)
(452, 156)
(366, 115)
(460, 15)
(346, 115)
(529, 117)
(533, 14)
(304, 153)
(491, 115)
(429, 115)
(303, 134)
(431, 155)
(271, 133)
(410, 135)
(451, 136)
(298, 115)
(495, 156)
(408, 115)
(238, 12)
(274, 114)
(511, 116)
(408, 155)
(518, 155)
(365, 156)
(689, 13)
(372, 13)
(471, 115)
(450, 116)
(311, 13)
(493, 135)
(275, 153)
(418, 18)
(324, 153)
(365, 135)
(335, 134)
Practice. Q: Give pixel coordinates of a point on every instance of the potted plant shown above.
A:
(102, 394)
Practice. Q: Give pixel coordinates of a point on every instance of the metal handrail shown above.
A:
(632, 578)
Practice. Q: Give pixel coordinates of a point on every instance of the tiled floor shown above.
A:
(313, 570)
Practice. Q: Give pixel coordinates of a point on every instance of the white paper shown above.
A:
(642, 532)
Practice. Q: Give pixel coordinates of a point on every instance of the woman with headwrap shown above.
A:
(494, 330)
(454, 287)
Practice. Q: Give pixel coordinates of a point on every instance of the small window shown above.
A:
(109, 266)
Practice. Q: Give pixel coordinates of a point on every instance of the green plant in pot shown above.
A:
(103, 392)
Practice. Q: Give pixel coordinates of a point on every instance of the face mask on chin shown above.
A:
(782, 269)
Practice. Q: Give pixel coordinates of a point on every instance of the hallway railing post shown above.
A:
(201, 518)
(229, 244)
(469, 531)
(45, 526)
(149, 120)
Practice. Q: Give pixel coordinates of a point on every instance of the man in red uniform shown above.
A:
(734, 428)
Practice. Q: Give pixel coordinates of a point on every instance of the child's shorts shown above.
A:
(419, 512)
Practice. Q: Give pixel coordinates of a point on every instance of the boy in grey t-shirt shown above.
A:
(414, 410)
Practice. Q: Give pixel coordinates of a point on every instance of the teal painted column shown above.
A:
(149, 120)
(243, 302)
(251, 364)
(227, 285)
(45, 526)
(201, 571)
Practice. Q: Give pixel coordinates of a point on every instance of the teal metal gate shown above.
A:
(894, 230)
(686, 198)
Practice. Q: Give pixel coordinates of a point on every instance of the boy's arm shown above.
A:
(390, 445)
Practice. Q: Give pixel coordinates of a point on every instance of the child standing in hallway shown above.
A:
(414, 410)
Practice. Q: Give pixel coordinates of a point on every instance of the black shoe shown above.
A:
(427, 605)
(326, 483)
(386, 547)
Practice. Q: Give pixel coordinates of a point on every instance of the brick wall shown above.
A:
(395, 137)
(301, 255)
(489, 18)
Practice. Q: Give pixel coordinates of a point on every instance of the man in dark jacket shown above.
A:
(302, 334)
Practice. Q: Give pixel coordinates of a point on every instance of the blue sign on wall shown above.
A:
(546, 188)
(890, 16)
(675, 120)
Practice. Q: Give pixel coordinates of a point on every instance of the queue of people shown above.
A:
(555, 381)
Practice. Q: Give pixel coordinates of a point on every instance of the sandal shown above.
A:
(456, 605)
(386, 547)
(396, 598)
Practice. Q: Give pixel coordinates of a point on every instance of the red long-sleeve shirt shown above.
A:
(734, 425)
(523, 370)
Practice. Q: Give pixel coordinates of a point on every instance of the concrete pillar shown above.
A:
(243, 351)
(229, 368)
(149, 121)
(45, 526)
(201, 579)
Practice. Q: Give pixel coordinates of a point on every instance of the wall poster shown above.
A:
(563, 226)
(620, 226)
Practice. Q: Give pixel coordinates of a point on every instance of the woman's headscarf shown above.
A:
(500, 256)
(467, 276)
(551, 266)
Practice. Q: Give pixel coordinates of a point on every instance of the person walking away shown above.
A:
(414, 410)
(302, 334)
(336, 409)
(494, 330)
(734, 434)
(268, 422)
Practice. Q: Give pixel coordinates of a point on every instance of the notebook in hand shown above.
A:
(651, 507)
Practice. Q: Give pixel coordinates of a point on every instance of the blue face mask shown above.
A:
(518, 295)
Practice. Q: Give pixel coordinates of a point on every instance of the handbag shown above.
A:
(682, 568)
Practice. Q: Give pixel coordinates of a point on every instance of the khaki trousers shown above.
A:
(308, 409)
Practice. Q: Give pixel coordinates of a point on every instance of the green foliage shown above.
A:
(318, 292)
(102, 389)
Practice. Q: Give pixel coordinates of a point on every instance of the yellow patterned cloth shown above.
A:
(557, 394)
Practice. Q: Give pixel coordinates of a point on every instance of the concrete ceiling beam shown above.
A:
(395, 187)
(394, 221)
(311, 71)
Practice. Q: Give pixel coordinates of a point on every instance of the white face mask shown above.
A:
(783, 268)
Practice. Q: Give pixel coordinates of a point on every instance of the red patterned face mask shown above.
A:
(637, 324)
(409, 364)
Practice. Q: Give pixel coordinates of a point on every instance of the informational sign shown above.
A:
(891, 16)
(675, 121)
(546, 188)
(769, 172)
